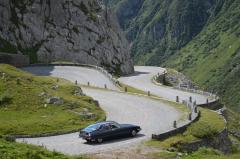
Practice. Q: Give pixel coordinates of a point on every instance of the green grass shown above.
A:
(209, 124)
(202, 153)
(131, 89)
(25, 113)
(233, 119)
(12, 150)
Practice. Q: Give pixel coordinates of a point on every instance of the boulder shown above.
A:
(78, 91)
(55, 100)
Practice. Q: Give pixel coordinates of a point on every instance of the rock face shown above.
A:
(64, 30)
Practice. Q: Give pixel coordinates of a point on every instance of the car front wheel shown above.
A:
(134, 133)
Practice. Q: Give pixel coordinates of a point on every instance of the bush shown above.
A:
(10, 138)
(5, 98)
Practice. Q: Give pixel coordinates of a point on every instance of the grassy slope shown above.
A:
(203, 153)
(24, 113)
(12, 150)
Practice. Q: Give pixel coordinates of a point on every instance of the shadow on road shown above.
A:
(110, 141)
(39, 70)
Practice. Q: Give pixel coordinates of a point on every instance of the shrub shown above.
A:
(10, 138)
(203, 129)
(5, 98)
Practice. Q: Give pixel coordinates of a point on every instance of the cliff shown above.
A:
(64, 30)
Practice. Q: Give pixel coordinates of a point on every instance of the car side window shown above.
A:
(113, 126)
(105, 127)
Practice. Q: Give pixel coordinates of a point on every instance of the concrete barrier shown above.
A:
(17, 60)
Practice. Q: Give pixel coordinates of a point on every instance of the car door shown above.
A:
(117, 130)
(104, 131)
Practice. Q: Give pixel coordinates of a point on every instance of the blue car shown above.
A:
(108, 130)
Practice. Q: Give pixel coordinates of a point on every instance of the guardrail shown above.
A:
(102, 70)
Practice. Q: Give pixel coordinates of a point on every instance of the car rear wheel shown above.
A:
(134, 133)
(99, 140)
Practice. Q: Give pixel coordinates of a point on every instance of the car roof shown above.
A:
(107, 122)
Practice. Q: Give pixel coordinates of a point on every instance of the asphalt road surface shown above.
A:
(142, 79)
(82, 75)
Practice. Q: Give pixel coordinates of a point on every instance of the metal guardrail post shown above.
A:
(149, 94)
(174, 124)
(177, 99)
(190, 116)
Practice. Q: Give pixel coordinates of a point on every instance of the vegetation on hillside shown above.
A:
(212, 58)
(157, 29)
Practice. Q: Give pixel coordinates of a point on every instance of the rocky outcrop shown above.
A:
(64, 30)
(220, 141)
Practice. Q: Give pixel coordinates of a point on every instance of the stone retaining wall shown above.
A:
(219, 141)
(14, 59)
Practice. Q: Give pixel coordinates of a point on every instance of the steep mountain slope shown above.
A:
(212, 59)
(68, 30)
(157, 29)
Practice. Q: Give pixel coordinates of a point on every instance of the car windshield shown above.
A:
(93, 127)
